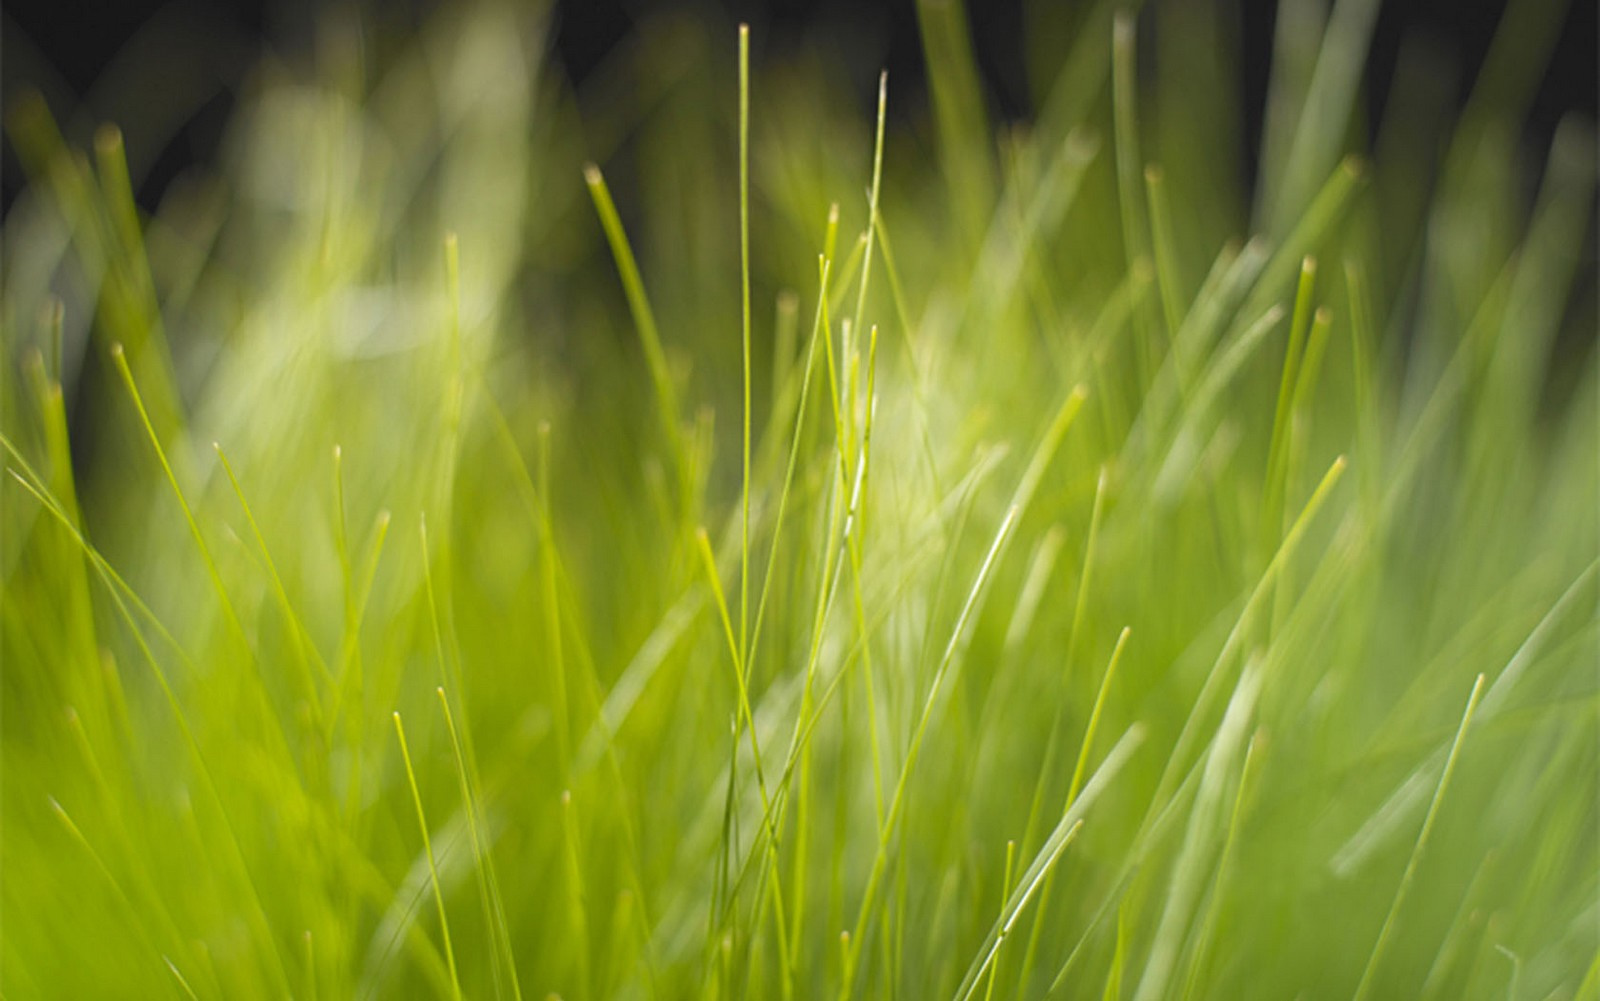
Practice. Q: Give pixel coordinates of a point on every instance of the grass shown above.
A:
(836, 558)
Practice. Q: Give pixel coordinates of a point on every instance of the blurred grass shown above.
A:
(1117, 594)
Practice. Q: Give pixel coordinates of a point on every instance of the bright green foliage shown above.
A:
(1016, 580)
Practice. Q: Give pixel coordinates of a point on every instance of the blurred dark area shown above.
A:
(86, 55)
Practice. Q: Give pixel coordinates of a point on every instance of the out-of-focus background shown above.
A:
(169, 71)
(171, 74)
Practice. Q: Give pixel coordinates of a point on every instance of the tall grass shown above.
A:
(688, 539)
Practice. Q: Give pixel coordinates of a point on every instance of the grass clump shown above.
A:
(950, 562)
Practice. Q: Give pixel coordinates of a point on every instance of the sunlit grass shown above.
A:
(692, 538)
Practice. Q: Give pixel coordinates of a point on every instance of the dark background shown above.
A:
(66, 48)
